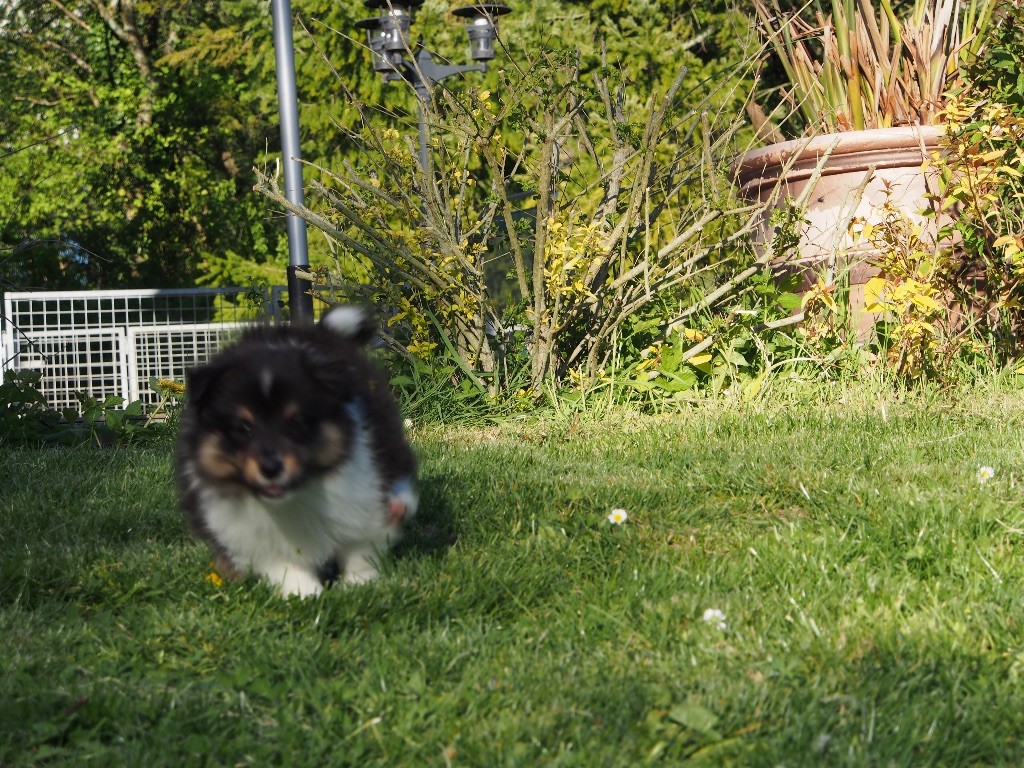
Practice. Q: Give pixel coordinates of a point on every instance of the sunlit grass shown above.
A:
(821, 580)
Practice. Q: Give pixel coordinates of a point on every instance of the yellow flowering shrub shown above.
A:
(950, 287)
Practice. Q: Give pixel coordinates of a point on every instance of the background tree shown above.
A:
(130, 128)
(120, 167)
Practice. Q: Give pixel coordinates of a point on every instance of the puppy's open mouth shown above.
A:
(272, 491)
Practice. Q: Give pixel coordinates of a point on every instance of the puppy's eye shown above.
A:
(241, 429)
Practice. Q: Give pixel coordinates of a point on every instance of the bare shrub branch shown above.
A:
(557, 213)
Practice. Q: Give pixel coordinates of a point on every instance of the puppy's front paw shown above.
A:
(397, 510)
(301, 586)
(225, 566)
(361, 567)
(293, 580)
(402, 501)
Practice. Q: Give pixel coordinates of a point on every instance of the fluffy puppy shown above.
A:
(291, 459)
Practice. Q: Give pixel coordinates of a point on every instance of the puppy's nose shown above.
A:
(271, 465)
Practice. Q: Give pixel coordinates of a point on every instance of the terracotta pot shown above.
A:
(864, 170)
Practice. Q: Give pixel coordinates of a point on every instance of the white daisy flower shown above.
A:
(617, 516)
(715, 618)
(985, 474)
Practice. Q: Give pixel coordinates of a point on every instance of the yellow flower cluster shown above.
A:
(392, 147)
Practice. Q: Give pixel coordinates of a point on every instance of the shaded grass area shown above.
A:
(871, 588)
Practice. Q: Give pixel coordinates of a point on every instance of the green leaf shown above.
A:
(670, 357)
(735, 358)
(752, 388)
(788, 301)
(640, 385)
(695, 717)
(677, 382)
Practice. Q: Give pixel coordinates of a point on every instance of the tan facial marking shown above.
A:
(251, 471)
(244, 414)
(332, 448)
(292, 467)
(290, 411)
(214, 460)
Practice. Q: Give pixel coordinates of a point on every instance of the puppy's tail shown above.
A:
(350, 322)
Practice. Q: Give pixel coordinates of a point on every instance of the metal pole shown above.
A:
(300, 301)
(423, 103)
(423, 76)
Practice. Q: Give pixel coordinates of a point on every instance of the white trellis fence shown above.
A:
(113, 342)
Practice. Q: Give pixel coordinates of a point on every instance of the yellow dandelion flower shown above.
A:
(170, 387)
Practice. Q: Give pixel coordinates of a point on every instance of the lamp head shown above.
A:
(383, 7)
(376, 37)
(482, 27)
(395, 19)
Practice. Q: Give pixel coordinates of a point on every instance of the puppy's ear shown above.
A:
(335, 374)
(201, 381)
(350, 322)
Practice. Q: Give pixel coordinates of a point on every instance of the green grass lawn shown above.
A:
(870, 585)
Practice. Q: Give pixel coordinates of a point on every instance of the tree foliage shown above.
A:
(120, 165)
(131, 128)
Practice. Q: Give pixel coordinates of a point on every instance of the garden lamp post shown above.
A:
(300, 300)
(388, 39)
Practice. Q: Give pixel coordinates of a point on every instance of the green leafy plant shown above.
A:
(100, 421)
(733, 351)
(962, 292)
(23, 410)
(908, 292)
(983, 195)
(169, 407)
(872, 64)
(25, 416)
(436, 392)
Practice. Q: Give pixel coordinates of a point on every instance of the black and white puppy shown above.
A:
(291, 460)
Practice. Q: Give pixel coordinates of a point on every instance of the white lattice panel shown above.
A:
(90, 361)
(112, 342)
(39, 311)
(168, 352)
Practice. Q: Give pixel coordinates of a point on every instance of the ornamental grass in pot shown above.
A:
(866, 88)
